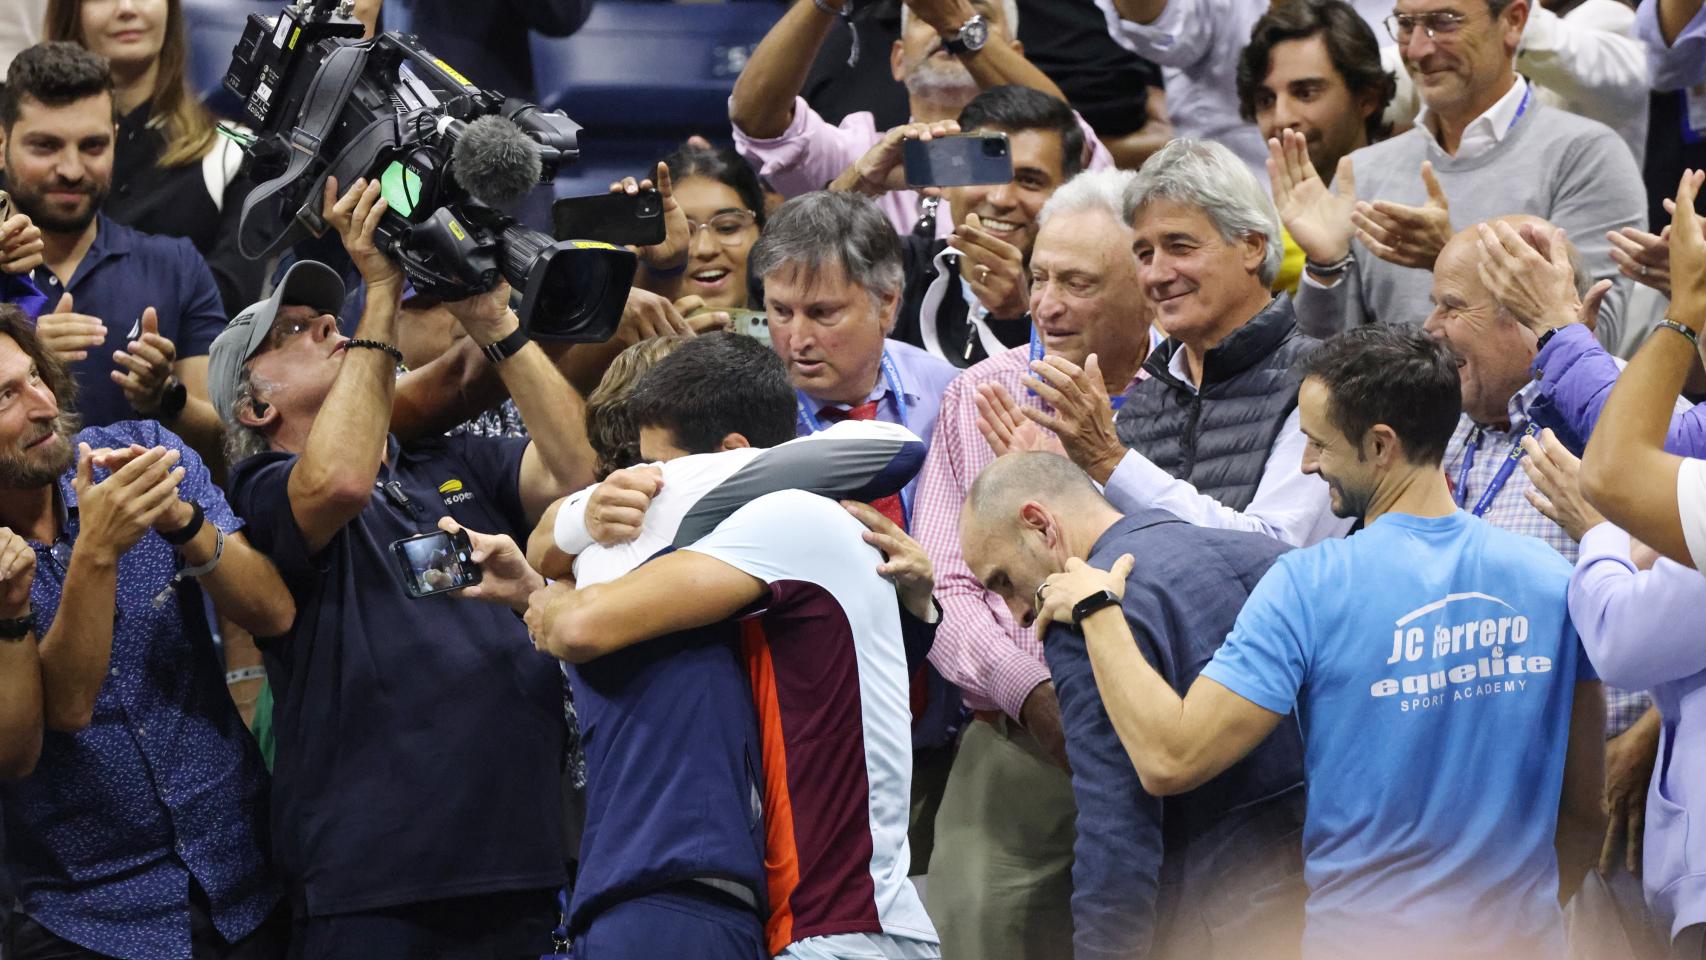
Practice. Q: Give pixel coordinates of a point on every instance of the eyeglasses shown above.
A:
(1402, 25)
(284, 329)
(728, 228)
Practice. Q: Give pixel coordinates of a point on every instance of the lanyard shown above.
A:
(808, 419)
(1114, 402)
(1521, 108)
(1461, 494)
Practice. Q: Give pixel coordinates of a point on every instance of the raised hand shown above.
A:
(21, 245)
(881, 169)
(677, 236)
(354, 216)
(1688, 255)
(1557, 492)
(17, 573)
(1529, 274)
(646, 315)
(1004, 426)
(700, 318)
(1318, 218)
(144, 370)
(1407, 236)
(1083, 418)
(67, 334)
(994, 268)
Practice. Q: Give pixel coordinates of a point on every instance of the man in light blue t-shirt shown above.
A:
(1436, 677)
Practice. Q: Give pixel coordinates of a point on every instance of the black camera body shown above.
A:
(324, 102)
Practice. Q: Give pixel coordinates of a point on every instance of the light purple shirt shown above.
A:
(1681, 64)
(1643, 629)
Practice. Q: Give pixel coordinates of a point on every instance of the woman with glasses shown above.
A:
(724, 204)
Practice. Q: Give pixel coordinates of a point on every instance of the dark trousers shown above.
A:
(29, 940)
(494, 926)
(676, 922)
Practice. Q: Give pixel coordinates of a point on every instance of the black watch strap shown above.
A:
(1545, 338)
(501, 350)
(1092, 603)
(13, 629)
(172, 400)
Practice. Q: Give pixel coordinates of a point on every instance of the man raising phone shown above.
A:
(423, 732)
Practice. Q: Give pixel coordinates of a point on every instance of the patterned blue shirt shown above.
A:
(165, 784)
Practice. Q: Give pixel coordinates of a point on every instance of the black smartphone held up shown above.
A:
(436, 563)
(958, 160)
(611, 217)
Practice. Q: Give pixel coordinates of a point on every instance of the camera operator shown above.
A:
(139, 834)
(417, 807)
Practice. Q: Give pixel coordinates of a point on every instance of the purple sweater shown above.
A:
(1642, 630)
(1576, 375)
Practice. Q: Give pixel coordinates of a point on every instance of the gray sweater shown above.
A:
(1575, 172)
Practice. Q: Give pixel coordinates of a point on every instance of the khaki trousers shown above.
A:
(1000, 880)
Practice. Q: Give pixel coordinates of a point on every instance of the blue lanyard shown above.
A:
(1115, 402)
(1522, 107)
(809, 421)
(1461, 494)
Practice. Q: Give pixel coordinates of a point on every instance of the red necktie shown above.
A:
(889, 506)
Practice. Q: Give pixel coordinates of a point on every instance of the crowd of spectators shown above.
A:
(1266, 525)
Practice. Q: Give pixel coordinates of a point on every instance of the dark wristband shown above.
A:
(17, 628)
(179, 537)
(396, 355)
(500, 350)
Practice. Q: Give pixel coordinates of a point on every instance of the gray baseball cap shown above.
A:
(307, 283)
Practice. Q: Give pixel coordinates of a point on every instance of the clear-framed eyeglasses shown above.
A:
(1402, 25)
(728, 228)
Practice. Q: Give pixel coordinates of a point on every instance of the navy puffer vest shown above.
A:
(1218, 439)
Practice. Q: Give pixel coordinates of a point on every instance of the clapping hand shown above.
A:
(116, 512)
(21, 245)
(1529, 273)
(1318, 218)
(1557, 492)
(1688, 255)
(1083, 417)
(1006, 428)
(67, 334)
(145, 369)
(1404, 235)
(17, 573)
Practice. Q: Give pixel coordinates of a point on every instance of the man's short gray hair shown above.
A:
(240, 440)
(1208, 176)
(1010, 8)
(816, 230)
(1090, 190)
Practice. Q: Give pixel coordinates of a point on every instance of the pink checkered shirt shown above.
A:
(996, 662)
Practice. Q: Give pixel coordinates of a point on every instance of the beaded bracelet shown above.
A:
(396, 355)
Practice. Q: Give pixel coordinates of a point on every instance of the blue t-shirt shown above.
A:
(1433, 666)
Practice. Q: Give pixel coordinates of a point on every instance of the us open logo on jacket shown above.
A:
(452, 492)
(1483, 634)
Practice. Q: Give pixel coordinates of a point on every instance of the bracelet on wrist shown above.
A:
(1669, 324)
(245, 674)
(395, 354)
(1332, 269)
(208, 567)
(188, 531)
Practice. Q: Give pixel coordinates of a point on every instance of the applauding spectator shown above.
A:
(1483, 146)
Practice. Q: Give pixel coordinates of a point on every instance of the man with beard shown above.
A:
(967, 296)
(1450, 721)
(948, 50)
(131, 313)
(141, 832)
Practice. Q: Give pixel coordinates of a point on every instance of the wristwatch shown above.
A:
(172, 400)
(13, 629)
(969, 38)
(1092, 603)
(500, 350)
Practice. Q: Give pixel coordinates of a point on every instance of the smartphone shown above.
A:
(958, 160)
(436, 563)
(751, 323)
(610, 217)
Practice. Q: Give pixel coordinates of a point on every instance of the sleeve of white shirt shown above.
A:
(1691, 504)
(1587, 58)
(1291, 506)
(1182, 35)
(570, 530)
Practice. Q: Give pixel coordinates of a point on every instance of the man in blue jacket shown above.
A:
(1216, 872)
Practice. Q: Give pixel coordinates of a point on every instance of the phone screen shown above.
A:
(435, 563)
(751, 323)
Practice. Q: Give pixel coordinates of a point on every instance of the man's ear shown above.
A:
(734, 441)
(1034, 517)
(890, 310)
(1383, 445)
(897, 62)
(1255, 251)
(257, 414)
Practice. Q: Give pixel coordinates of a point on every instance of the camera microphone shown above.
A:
(494, 161)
